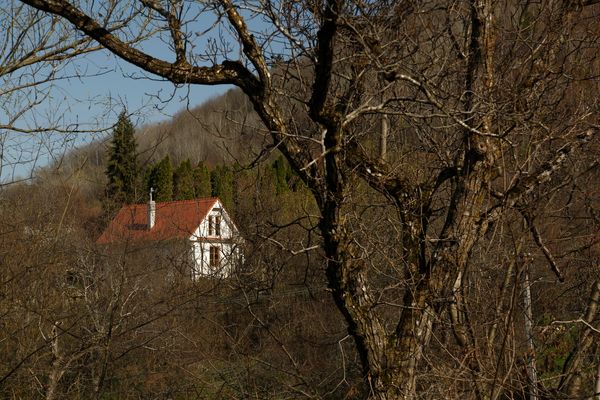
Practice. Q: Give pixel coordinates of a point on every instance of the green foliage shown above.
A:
(554, 350)
(283, 175)
(222, 184)
(183, 181)
(267, 180)
(202, 184)
(122, 170)
(160, 178)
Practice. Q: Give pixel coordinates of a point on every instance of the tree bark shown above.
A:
(531, 359)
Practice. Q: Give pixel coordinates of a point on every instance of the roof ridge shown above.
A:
(171, 222)
(178, 201)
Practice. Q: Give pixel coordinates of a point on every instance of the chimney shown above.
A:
(151, 211)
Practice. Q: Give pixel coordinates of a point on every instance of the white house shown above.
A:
(204, 224)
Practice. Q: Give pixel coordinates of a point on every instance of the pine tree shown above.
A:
(160, 178)
(122, 170)
(283, 175)
(222, 185)
(183, 181)
(202, 181)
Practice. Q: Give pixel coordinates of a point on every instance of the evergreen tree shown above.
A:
(202, 181)
(122, 171)
(222, 185)
(283, 175)
(160, 178)
(267, 179)
(183, 181)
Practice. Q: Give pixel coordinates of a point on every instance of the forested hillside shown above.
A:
(224, 130)
(416, 184)
(220, 131)
(82, 321)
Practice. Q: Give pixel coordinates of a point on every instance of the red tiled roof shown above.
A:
(174, 219)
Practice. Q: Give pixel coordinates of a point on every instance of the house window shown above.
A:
(215, 256)
(214, 225)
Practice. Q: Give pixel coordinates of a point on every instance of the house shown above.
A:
(203, 225)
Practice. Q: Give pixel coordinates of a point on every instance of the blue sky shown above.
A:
(107, 85)
(120, 84)
(93, 102)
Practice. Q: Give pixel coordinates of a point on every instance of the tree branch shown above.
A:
(324, 64)
(538, 241)
(250, 47)
(229, 72)
(174, 27)
(527, 184)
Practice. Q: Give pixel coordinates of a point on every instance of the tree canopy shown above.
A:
(159, 177)
(183, 181)
(222, 184)
(202, 183)
(122, 168)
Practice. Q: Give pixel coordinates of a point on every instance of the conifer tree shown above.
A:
(183, 181)
(160, 178)
(283, 175)
(202, 181)
(268, 181)
(122, 170)
(222, 185)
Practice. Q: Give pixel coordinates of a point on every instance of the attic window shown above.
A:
(214, 225)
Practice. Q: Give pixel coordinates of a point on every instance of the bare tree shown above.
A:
(36, 60)
(483, 104)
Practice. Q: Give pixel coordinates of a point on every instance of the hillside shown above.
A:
(136, 320)
(222, 130)
(420, 220)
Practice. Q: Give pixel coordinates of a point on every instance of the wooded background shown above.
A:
(416, 182)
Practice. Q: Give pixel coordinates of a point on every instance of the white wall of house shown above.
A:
(228, 258)
(225, 247)
(228, 229)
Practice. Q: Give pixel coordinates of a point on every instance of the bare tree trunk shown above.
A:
(385, 128)
(53, 380)
(500, 303)
(570, 384)
(384, 378)
(597, 385)
(57, 370)
(531, 359)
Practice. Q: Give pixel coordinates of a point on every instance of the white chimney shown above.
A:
(151, 211)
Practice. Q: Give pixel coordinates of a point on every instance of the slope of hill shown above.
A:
(222, 130)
